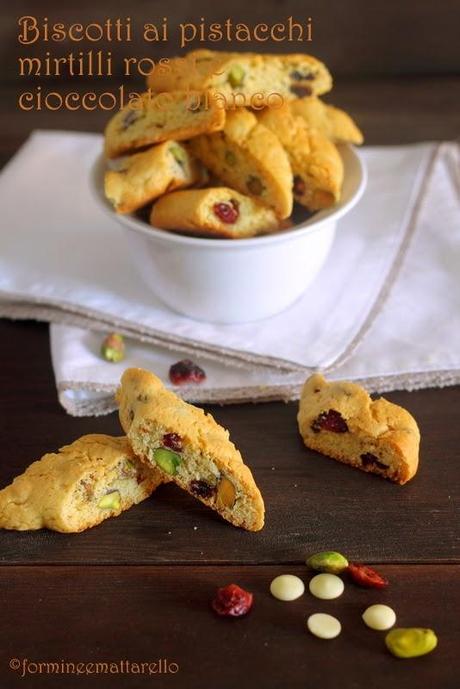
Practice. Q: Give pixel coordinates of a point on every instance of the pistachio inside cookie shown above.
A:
(139, 179)
(189, 447)
(161, 117)
(243, 77)
(81, 485)
(248, 157)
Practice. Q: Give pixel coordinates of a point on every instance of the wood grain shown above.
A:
(312, 502)
(97, 614)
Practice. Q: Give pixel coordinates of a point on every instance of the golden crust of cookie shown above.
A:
(243, 78)
(156, 118)
(207, 464)
(334, 123)
(193, 211)
(375, 436)
(143, 177)
(315, 161)
(63, 490)
(248, 157)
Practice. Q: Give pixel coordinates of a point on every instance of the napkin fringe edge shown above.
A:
(255, 394)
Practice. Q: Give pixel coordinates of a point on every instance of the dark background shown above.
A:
(395, 63)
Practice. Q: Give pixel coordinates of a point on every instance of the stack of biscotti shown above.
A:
(99, 476)
(223, 144)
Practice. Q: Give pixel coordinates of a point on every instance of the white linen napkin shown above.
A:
(61, 259)
(409, 337)
(413, 342)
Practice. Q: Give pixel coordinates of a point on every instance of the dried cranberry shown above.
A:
(299, 185)
(202, 489)
(366, 576)
(329, 421)
(186, 371)
(368, 459)
(173, 441)
(227, 212)
(232, 601)
(301, 91)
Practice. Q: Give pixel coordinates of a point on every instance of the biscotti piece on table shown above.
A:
(315, 161)
(214, 212)
(153, 119)
(142, 177)
(246, 79)
(334, 123)
(71, 490)
(339, 419)
(189, 447)
(248, 157)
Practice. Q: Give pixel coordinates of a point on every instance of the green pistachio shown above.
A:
(236, 76)
(411, 642)
(178, 154)
(328, 561)
(111, 501)
(113, 348)
(167, 460)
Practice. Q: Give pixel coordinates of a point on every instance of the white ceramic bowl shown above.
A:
(234, 281)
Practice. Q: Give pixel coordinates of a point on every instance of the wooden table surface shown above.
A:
(137, 588)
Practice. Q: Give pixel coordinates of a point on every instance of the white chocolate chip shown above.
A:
(324, 626)
(326, 586)
(287, 587)
(379, 617)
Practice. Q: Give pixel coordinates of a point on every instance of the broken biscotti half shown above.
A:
(248, 157)
(246, 79)
(315, 161)
(215, 212)
(142, 177)
(153, 119)
(189, 447)
(340, 420)
(333, 122)
(71, 490)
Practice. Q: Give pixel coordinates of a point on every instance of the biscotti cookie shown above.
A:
(315, 161)
(79, 486)
(341, 420)
(189, 447)
(244, 78)
(334, 123)
(156, 118)
(142, 177)
(217, 212)
(248, 157)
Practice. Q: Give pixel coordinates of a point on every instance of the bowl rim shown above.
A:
(309, 226)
